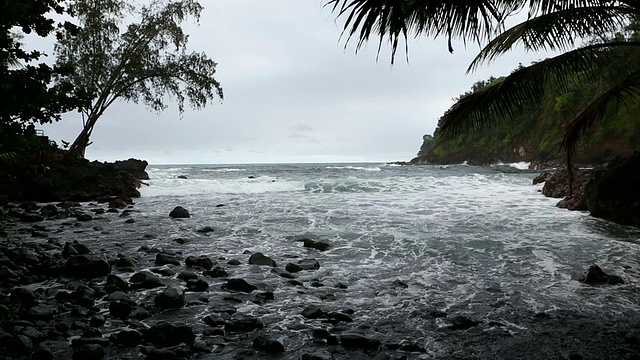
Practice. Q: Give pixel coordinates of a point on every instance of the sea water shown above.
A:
(478, 242)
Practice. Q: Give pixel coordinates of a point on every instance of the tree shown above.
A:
(551, 25)
(142, 62)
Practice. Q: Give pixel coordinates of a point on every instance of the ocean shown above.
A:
(415, 251)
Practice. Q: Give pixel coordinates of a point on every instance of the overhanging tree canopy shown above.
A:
(145, 61)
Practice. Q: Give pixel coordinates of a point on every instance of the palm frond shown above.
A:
(525, 87)
(393, 20)
(538, 7)
(623, 92)
(558, 30)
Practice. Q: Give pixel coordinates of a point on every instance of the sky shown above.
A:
(293, 93)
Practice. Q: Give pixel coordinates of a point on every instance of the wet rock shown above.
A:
(170, 298)
(406, 346)
(179, 213)
(318, 245)
(264, 296)
(88, 352)
(115, 283)
(399, 284)
(306, 264)
(205, 230)
(197, 285)
(84, 295)
(359, 341)
(97, 320)
(541, 178)
(216, 272)
(42, 312)
(117, 203)
(163, 270)
(243, 324)
(120, 309)
(199, 261)
(239, 285)
(187, 275)
(282, 273)
(124, 262)
(30, 218)
(21, 344)
(74, 248)
(145, 280)
(166, 259)
(595, 276)
(130, 221)
(336, 316)
(234, 262)
(260, 259)
(180, 351)
(215, 320)
(87, 266)
(126, 338)
(313, 312)
(23, 296)
(316, 356)
(84, 217)
(267, 344)
(166, 334)
(462, 323)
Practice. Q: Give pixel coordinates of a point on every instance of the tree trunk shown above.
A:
(77, 149)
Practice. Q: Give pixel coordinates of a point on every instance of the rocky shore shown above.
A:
(610, 192)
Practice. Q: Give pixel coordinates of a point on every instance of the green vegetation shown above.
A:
(145, 61)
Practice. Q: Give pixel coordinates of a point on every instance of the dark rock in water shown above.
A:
(116, 283)
(243, 324)
(234, 262)
(306, 264)
(42, 312)
(87, 266)
(179, 213)
(259, 259)
(239, 285)
(462, 323)
(199, 261)
(166, 334)
(187, 275)
(97, 320)
(170, 298)
(197, 285)
(282, 273)
(205, 230)
(84, 217)
(145, 280)
(265, 296)
(126, 338)
(28, 217)
(74, 248)
(164, 259)
(595, 276)
(125, 262)
(408, 347)
(181, 351)
(163, 270)
(316, 356)
(21, 344)
(399, 284)
(84, 295)
(313, 312)
(23, 296)
(88, 352)
(359, 341)
(130, 221)
(267, 344)
(120, 309)
(337, 316)
(117, 204)
(318, 245)
(216, 272)
(182, 176)
(214, 320)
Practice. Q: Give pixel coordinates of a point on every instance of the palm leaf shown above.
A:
(525, 87)
(558, 30)
(393, 20)
(623, 92)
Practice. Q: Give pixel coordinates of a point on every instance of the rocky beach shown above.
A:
(127, 278)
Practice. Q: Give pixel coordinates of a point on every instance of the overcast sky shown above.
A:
(293, 93)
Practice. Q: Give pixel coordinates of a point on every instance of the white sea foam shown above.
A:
(373, 168)
(224, 170)
(172, 186)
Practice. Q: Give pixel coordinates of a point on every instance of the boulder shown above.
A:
(216, 272)
(117, 203)
(595, 276)
(199, 261)
(87, 266)
(120, 309)
(205, 230)
(179, 213)
(166, 334)
(306, 264)
(74, 248)
(170, 298)
(359, 341)
(126, 338)
(462, 323)
(318, 245)
(164, 259)
(613, 193)
(243, 323)
(197, 285)
(239, 285)
(145, 280)
(267, 344)
(259, 259)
